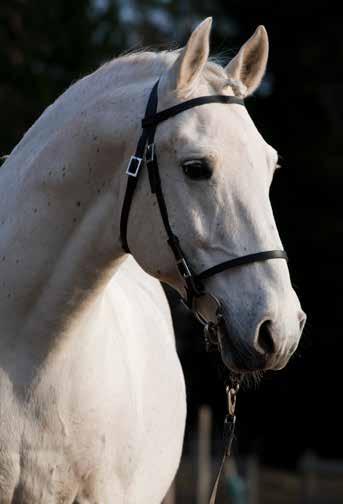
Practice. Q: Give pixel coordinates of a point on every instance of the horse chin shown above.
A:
(236, 356)
(228, 356)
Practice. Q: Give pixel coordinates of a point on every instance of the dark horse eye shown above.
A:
(197, 169)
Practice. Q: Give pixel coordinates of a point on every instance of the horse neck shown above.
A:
(61, 192)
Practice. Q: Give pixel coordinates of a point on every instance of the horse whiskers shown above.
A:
(251, 380)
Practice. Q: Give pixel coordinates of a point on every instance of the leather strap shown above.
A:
(229, 430)
(145, 154)
(155, 119)
(132, 180)
(149, 124)
(239, 261)
(156, 188)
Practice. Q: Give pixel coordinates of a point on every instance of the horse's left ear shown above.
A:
(250, 63)
(184, 73)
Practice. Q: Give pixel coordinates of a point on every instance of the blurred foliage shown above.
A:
(44, 46)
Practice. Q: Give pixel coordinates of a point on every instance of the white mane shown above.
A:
(116, 74)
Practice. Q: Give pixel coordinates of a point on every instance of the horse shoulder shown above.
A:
(156, 376)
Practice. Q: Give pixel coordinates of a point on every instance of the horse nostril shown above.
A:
(265, 339)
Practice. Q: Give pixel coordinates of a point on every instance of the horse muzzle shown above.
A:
(237, 355)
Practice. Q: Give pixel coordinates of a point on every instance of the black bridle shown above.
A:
(146, 154)
(145, 151)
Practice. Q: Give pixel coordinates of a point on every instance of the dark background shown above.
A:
(45, 46)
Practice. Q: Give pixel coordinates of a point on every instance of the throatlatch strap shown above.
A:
(134, 170)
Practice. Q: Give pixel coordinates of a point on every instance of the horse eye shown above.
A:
(197, 169)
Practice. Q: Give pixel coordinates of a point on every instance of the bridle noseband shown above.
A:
(146, 154)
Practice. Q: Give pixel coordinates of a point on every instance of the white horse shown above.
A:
(92, 397)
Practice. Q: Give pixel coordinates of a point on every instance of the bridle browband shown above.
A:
(146, 154)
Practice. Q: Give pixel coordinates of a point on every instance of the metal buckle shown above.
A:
(231, 393)
(150, 153)
(186, 271)
(134, 166)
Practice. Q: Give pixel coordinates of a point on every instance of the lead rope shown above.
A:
(229, 431)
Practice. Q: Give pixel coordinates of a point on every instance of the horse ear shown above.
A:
(192, 59)
(249, 65)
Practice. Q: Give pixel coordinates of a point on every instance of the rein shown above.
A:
(145, 155)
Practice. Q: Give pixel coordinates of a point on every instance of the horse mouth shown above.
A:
(237, 356)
